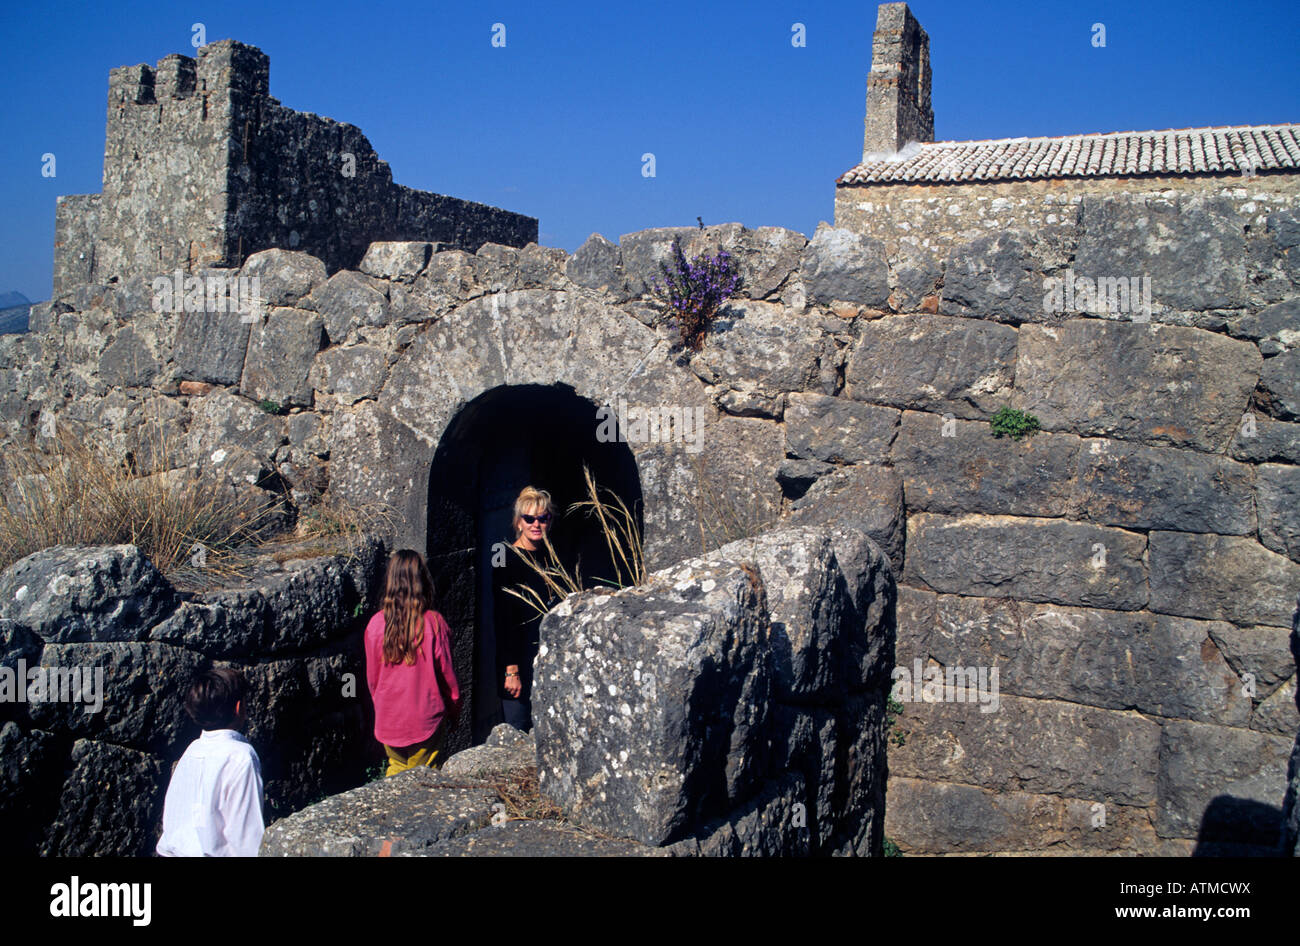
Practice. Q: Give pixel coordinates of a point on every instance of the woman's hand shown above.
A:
(514, 686)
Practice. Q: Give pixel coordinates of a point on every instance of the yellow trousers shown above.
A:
(421, 754)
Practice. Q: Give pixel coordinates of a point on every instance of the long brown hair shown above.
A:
(408, 593)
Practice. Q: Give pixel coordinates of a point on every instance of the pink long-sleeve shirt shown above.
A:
(409, 705)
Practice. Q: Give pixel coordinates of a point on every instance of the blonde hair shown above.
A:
(530, 498)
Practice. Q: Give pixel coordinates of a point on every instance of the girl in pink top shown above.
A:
(409, 669)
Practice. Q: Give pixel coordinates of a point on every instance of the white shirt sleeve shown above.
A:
(241, 806)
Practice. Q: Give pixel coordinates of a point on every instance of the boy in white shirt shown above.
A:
(214, 801)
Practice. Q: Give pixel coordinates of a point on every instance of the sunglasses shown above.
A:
(544, 518)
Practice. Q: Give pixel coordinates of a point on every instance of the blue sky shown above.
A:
(743, 125)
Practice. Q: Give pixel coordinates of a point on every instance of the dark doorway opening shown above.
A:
(504, 440)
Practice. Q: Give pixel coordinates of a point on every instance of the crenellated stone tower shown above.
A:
(202, 167)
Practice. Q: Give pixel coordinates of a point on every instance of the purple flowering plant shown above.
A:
(694, 289)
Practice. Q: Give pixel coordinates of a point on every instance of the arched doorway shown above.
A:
(505, 439)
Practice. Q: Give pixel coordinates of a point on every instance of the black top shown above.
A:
(517, 622)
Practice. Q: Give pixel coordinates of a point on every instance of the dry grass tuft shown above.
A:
(80, 491)
(520, 793)
(336, 523)
(720, 519)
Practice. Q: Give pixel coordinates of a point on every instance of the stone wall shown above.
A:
(1131, 571)
(81, 777)
(921, 225)
(732, 705)
(202, 167)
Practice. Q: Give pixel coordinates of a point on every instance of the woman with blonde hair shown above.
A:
(409, 668)
(518, 622)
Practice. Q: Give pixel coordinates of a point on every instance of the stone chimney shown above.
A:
(898, 86)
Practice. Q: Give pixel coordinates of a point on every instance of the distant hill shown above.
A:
(14, 309)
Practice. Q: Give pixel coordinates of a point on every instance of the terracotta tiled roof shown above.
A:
(1228, 150)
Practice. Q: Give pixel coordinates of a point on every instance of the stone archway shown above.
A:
(386, 450)
(507, 438)
(383, 450)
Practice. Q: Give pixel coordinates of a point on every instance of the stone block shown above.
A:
(760, 348)
(1222, 577)
(1279, 383)
(764, 258)
(917, 277)
(1140, 487)
(505, 750)
(822, 650)
(110, 803)
(643, 252)
(223, 420)
(284, 276)
(67, 594)
(31, 779)
(840, 265)
(1155, 663)
(1261, 439)
(648, 702)
(142, 694)
(127, 361)
(595, 265)
(837, 430)
(210, 346)
(1156, 384)
(397, 261)
(1274, 328)
(347, 299)
(1036, 746)
(796, 476)
(955, 466)
(534, 839)
(933, 362)
(1277, 497)
(864, 497)
(994, 277)
(1220, 784)
(1261, 652)
(767, 826)
(542, 267)
(280, 356)
(932, 818)
(408, 813)
(1029, 559)
(350, 374)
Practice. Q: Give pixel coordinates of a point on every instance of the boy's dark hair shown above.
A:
(211, 699)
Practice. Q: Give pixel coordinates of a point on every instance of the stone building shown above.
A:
(921, 197)
(202, 167)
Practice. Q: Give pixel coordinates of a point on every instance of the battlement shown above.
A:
(221, 66)
(202, 167)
